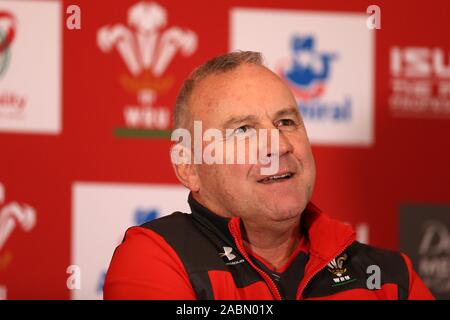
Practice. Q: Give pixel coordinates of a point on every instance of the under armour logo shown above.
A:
(227, 253)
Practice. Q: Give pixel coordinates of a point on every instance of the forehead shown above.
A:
(248, 90)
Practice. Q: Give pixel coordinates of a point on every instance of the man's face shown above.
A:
(252, 96)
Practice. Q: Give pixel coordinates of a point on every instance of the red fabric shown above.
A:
(388, 291)
(144, 266)
(417, 289)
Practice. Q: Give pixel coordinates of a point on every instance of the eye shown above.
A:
(241, 129)
(286, 122)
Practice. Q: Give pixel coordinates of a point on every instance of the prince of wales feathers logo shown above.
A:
(147, 49)
(7, 32)
(337, 268)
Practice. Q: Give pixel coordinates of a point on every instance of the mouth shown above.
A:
(276, 178)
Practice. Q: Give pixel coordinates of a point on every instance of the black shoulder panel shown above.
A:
(199, 250)
(351, 271)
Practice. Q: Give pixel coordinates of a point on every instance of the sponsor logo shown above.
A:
(114, 207)
(141, 216)
(337, 268)
(307, 72)
(331, 78)
(147, 49)
(11, 103)
(228, 253)
(13, 215)
(101, 282)
(425, 238)
(420, 82)
(30, 108)
(434, 255)
(7, 32)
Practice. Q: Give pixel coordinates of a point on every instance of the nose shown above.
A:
(280, 146)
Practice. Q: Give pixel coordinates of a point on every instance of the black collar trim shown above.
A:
(217, 224)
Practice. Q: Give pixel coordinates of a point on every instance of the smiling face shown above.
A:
(251, 96)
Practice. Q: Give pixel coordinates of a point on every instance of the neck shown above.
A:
(275, 245)
(273, 241)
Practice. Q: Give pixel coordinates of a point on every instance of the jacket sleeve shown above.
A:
(417, 289)
(145, 266)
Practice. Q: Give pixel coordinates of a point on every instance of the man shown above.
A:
(251, 236)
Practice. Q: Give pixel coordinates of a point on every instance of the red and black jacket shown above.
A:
(202, 256)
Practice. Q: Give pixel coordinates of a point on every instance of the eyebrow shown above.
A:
(239, 119)
(251, 118)
(286, 112)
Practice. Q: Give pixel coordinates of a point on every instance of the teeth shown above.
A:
(286, 175)
(282, 176)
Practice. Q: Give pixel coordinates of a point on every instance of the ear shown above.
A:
(183, 167)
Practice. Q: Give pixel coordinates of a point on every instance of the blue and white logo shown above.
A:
(142, 216)
(326, 59)
(307, 72)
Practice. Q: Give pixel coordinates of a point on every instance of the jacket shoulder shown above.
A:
(391, 264)
(384, 257)
(196, 246)
(167, 223)
(354, 268)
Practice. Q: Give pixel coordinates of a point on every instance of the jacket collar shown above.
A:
(327, 237)
(208, 219)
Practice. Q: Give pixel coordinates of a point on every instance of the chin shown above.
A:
(287, 210)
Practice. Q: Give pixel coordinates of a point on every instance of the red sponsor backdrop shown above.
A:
(408, 162)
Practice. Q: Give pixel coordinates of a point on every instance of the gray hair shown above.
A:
(220, 64)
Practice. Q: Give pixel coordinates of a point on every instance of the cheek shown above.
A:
(303, 152)
(233, 181)
(230, 177)
(234, 174)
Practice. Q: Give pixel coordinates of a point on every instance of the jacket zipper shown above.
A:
(272, 286)
(302, 288)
